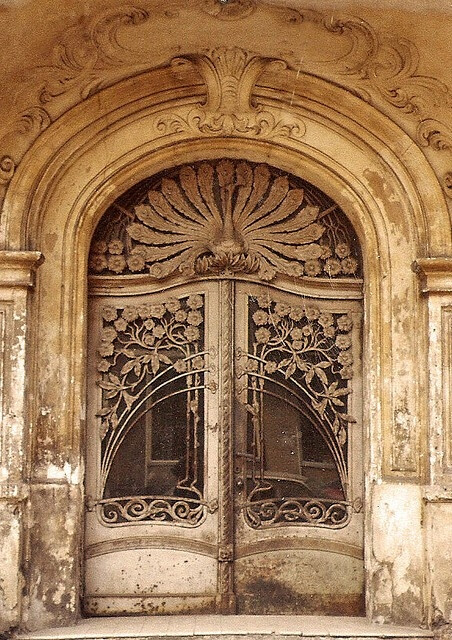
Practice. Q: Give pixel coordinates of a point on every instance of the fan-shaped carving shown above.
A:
(228, 216)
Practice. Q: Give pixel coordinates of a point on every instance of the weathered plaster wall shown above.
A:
(392, 157)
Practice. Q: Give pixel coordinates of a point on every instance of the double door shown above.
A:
(224, 451)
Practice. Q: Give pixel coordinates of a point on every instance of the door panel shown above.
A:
(152, 482)
(295, 484)
(224, 451)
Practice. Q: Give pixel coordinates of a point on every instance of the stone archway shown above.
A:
(56, 199)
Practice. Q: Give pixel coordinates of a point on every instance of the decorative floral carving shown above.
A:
(229, 216)
(148, 353)
(137, 342)
(229, 10)
(312, 347)
(230, 74)
(308, 352)
(100, 52)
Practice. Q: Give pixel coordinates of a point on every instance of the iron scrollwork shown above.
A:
(151, 354)
(301, 355)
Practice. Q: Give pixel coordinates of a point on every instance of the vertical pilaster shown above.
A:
(436, 283)
(16, 279)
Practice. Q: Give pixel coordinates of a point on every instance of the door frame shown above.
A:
(64, 184)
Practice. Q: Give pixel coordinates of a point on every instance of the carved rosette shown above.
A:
(225, 217)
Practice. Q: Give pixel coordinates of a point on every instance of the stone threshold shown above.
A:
(229, 627)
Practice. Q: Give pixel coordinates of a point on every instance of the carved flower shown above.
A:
(326, 319)
(99, 246)
(116, 263)
(251, 365)
(326, 252)
(345, 358)
(195, 302)
(195, 318)
(109, 314)
(312, 313)
(172, 304)
(274, 319)
(98, 262)
(329, 332)
(342, 250)
(263, 301)
(349, 265)
(157, 310)
(296, 333)
(108, 334)
(106, 349)
(262, 335)
(158, 331)
(270, 366)
(144, 311)
(180, 366)
(346, 373)
(296, 313)
(135, 262)
(312, 268)
(116, 247)
(282, 309)
(180, 316)
(120, 324)
(307, 330)
(149, 324)
(191, 333)
(297, 345)
(129, 313)
(332, 267)
(103, 366)
(198, 362)
(343, 341)
(149, 340)
(260, 317)
(344, 323)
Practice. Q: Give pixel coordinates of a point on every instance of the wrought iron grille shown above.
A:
(152, 364)
(297, 372)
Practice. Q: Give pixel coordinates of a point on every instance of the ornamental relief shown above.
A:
(150, 355)
(305, 353)
(380, 68)
(225, 217)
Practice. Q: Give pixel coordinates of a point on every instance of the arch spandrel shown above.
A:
(70, 176)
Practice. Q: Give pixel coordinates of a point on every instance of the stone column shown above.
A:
(436, 282)
(16, 279)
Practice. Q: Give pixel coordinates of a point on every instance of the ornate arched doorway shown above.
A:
(224, 448)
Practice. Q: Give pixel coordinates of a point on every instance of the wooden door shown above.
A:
(224, 467)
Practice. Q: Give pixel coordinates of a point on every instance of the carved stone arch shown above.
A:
(79, 165)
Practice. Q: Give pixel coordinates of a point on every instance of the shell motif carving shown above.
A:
(225, 217)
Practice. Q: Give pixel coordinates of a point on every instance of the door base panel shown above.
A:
(270, 597)
(148, 605)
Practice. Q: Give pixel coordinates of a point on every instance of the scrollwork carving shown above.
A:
(230, 74)
(232, 10)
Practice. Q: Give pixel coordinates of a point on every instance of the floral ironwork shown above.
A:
(225, 217)
(145, 349)
(308, 351)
